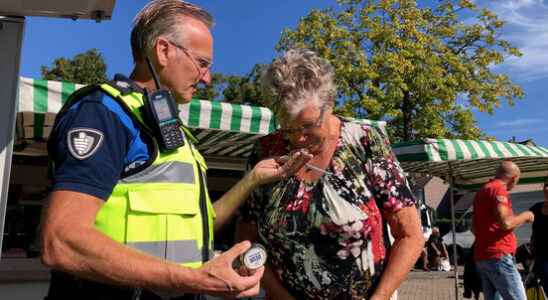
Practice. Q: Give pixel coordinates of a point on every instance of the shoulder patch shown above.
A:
(84, 142)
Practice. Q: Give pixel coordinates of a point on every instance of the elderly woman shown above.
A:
(325, 227)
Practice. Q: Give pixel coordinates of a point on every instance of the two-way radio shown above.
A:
(161, 113)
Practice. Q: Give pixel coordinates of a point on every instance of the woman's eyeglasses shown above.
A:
(306, 127)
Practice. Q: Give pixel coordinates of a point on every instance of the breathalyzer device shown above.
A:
(252, 259)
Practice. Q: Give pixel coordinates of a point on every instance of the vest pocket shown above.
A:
(165, 223)
(172, 201)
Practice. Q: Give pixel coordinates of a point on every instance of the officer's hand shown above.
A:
(223, 281)
(276, 168)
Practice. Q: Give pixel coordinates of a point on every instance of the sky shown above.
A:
(246, 32)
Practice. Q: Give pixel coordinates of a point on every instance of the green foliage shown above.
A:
(85, 68)
(421, 69)
(232, 88)
(245, 89)
(211, 91)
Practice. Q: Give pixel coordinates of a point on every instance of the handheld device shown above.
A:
(252, 259)
(161, 113)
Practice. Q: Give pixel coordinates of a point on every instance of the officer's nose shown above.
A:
(206, 77)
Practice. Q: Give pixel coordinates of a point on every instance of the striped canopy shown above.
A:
(224, 130)
(469, 162)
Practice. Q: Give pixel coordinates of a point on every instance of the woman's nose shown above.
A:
(302, 139)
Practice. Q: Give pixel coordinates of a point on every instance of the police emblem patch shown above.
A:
(84, 142)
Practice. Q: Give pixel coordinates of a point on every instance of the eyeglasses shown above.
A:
(200, 63)
(306, 127)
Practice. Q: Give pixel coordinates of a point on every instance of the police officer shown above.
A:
(128, 219)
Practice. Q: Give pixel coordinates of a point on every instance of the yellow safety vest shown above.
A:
(163, 209)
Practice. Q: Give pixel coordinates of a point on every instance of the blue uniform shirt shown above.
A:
(94, 143)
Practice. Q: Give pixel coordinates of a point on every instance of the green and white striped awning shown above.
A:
(470, 162)
(222, 129)
(225, 129)
(39, 101)
(47, 96)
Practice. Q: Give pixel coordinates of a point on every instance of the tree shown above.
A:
(424, 70)
(85, 68)
(212, 90)
(245, 89)
(233, 88)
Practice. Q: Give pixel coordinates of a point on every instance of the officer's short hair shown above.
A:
(160, 17)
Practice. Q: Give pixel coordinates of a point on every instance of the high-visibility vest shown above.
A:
(164, 208)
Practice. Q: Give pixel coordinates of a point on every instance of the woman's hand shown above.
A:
(276, 168)
(408, 244)
(377, 297)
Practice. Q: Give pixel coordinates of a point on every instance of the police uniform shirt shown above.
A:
(94, 143)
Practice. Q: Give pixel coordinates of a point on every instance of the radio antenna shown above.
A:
(153, 72)
(149, 64)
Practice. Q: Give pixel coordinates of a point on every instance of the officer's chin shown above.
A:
(182, 99)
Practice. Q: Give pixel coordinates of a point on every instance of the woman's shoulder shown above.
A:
(361, 124)
(359, 128)
(367, 135)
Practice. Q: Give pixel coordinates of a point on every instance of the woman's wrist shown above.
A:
(378, 295)
(250, 181)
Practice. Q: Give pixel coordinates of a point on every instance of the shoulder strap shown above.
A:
(78, 95)
(133, 103)
(129, 103)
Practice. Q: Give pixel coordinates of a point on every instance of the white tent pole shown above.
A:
(11, 37)
(453, 230)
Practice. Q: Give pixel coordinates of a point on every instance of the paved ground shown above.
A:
(430, 286)
(418, 286)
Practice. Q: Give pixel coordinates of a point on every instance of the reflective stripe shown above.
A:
(170, 172)
(176, 253)
(182, 251)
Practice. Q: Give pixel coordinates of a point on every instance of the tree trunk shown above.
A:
(406, 115)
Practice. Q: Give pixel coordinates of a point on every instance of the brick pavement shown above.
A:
(429, 286)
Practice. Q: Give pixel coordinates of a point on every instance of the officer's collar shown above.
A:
(126, 85)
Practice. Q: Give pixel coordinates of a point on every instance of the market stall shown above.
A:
(468, 164)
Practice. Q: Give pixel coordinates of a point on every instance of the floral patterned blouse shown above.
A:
(328, 239)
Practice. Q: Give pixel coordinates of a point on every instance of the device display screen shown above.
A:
(162, 110)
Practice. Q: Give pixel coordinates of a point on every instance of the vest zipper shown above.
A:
(205, 216)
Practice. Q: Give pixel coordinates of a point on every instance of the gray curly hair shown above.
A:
(290, 81)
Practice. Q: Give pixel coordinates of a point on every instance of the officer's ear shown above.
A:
(162, 48)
